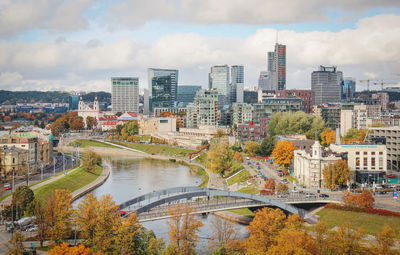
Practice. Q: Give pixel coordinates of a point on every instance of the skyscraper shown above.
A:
(73, 101)
(280, 65)
(266, 80)
(237, 84)
(125, 94)
(348, 88)
(204, 109)
(271, 61)
(327, 85)
(218, 79)
(186, 94)
(163, 85)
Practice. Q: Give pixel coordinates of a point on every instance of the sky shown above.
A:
(80, 44)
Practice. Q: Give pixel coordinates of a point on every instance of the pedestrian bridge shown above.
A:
(154, 205)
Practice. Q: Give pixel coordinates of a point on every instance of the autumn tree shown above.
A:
(91, 122)
(385, 242)
(224, 231)
(345, 240)
(336, 174)
(282, 188)
(90, 160)
(15, 125)
(85, 216)
(22, 197)
(292, 241)
(130, 128)
(219, 157)
(238, 157)
(220, 133)
(251, 147)
(77, 123)
(328, 136)
(270, 185)
(58, 215)
(41, 222)
(7, 118)
(16, 246)
(283, 153)
(183, 228)
(266, 147)
(64, 249)
(363, 200)
(354, 136)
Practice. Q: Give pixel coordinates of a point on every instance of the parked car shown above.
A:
(310, 195)
(382, 192)
(323, 195)
(378, 186)
(294, 191)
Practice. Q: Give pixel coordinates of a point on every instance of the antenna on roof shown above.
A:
(277, 36)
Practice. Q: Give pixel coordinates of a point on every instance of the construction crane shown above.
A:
(383, 83)
(367, 81)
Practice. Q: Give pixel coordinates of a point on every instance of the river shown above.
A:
(131, 177)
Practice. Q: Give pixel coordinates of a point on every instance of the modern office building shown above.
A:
(306, 95)
(163, 87)
(73, 101)
(271, 61)
(327, 85)
(383, 99)
(280, 66)
(391, 137)
(218, 79)
(125, 94)
(348, 88)
(266, 80)
(269, 106)
(186, 94)
(237, 84)
(204, 110)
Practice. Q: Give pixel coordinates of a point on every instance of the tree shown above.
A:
(336, 174)
(41, 223)
(219, 157)
(85, 217)
(90, 122)
(77, 123)
(270, 185)
(220, 133)
(354, 136)
(64, 249)
(22, 197)
(328, 136)
(131, 128)
(7, 118)
(385, 242)
(294, 242)
(282, 188)
(284, 153)
(183, 228)
(251, 147)
(363, 200)
(266, 147)
(15, 125)
(224, 231)
(58, 214)
(16, 247)
(238, 157)
(345, 240)
(90, 160)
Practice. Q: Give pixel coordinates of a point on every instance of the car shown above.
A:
(323, 195)
(378, 186)
(280, 174)
(258, 167)
(247, 158)
(294, 191)
(8, 188)
(310, 195)
(382, 192)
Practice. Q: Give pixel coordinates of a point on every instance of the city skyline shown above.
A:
(79, 46)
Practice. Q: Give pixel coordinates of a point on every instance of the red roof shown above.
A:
(133, 114)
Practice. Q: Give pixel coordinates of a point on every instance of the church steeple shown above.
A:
(316, 150)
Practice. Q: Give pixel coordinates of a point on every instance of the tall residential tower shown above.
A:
(125, 94)
(237, 84)
(218, 79)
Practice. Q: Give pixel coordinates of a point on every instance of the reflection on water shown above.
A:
(132, 177)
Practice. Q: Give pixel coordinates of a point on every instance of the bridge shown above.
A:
(155, 205)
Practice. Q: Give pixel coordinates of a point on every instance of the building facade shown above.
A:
(269, 106)
(162, 88)
(390, 136)
(306, 95)
(218, 79)
(186, 94)
(251, 131)
(73, 101)
(348, 88)
(383, 99)
(125, 94)
(204, 110)
(237, 84)
(242, 113)
(327, 85)
(154, 126)
(13, 160)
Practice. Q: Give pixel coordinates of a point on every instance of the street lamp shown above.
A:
(54, 165)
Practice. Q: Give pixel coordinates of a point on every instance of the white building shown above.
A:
(85, 111)
(125, 94)
(308, 166)
(368, 161)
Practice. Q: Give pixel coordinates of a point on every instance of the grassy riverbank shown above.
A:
(240, 177)
(157, 149)
(72, 181)
(243, 211)
(83, 143)
(371, 223)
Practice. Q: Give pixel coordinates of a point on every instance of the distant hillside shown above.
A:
(13, 97)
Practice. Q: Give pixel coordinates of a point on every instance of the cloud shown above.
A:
(371, 49)
(17, 16)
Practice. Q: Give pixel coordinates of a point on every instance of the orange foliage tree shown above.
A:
(238, 157)
(327, 137)
(283, 153)
(336, 174)
(64, 249)
(363, 200)
(270, 185)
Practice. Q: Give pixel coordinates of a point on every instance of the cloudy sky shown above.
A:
(80, 44)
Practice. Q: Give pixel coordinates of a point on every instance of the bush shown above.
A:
(377, 211)
(90, 160)
(363, 200)
(266, 192)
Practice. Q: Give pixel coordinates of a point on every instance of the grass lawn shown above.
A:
(240, 177)
(157, 149)
(199, 170)
(249, 190)
(243, 211)
(372, 223)
(83, 143)
(72, 181)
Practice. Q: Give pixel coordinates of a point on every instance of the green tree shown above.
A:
(91, 122)
(251, 147)
(266, 147)
(16, 247)
(219, 157)
(90, 160)
(336, 174)
(22, 197)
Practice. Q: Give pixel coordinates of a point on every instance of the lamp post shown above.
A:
(54, 165)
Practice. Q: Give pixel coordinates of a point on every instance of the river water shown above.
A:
(132, 177)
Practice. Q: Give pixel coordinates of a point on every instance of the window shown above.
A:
(357, 153)
(373, 153)
(380, 162)
(365, 162)
(357, 161)
(381, 153)
(365, 153)
(373, 162)
(13, 160)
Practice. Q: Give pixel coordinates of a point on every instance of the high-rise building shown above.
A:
(73, 101)
(348, 88)
(327, 84)
(271, 61)
(186, 94)
(280, 66)
(306, 95)
(163, 87)
(266, 80)
(218, 79)
(237, 84)
(125, 94)
(204, 109)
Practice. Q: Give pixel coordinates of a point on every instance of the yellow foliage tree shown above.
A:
(251, 147)
(219, 157)
(59, 212)
(385, 242)
(328, 136)
(291, 241)
(283, 153)
(238, 157)
(336, 174)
